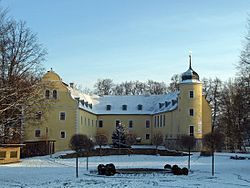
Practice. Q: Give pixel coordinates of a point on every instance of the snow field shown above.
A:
(55, 172)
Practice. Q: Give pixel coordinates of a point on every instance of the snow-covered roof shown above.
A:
(151, 104)
(190, 81)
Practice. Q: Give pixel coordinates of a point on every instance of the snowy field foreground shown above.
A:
(52, 172)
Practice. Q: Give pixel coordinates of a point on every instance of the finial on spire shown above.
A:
(190, 59)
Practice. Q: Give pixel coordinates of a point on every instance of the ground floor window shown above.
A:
(147, 136)
(62, 134)
(130, 124)
(147, 123)
(37, 133)
(191, 130)
(100, 124)
(2, 154)
(13, 154)
(117, 123)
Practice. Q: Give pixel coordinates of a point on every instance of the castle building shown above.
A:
(184, 112)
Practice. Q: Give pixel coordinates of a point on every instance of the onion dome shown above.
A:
(190, 74)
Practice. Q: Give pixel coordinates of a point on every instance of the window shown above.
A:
(130, 124)
(62, 134)
(37, 133)
(13, 154)
(62, 116)
(191, 130)
(108, 107)
(2, 154)
(100, 124)
(191, 112)
(38, 115)
(85, 121)
(139, 107)
(124, 107)
(54, 94)
(147, 136)
(92, 123)
(164, 120)
(81, 120)
(117, 123)
(158, 122)
(147, 123)
(155, 121)
(47, 93)
(191, 94)
(88, 122)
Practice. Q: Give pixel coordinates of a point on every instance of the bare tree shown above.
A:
(174, 85)
(212, 89)
(21, 58)
(104, 87)
(101, 140)
(188, 142)
(213, 141)
(157, 140)
(155, 88)
(80, 142)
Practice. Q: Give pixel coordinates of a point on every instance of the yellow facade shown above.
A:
(72, 113)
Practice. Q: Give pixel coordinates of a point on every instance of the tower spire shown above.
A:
(190, 60)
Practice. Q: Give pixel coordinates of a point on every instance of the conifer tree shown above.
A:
(119, 136)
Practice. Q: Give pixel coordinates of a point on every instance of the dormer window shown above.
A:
(161, 105)
(139, 107)
(124, 107)
(86, 104)
(47, 93)
(167, 103)
(108, 107)
(90, 106)
(54, 94)
(82, 102)
(174, 102)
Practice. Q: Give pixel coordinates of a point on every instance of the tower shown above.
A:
(190, 103)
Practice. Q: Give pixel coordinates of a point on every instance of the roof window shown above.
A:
(139, 107)
(124, 107)
(108, 107)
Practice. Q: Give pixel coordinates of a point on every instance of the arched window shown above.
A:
(47, 93)
(54, 94)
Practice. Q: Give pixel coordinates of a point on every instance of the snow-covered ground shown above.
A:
(54, 172)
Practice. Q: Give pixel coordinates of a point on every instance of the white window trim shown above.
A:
(65, 134)
(189, 94)
(60, 116)
(193, 112)
(35, 133)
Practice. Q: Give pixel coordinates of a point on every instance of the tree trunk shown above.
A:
(77, 165)
(212, 162)
(189, 158)
(87, 163)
